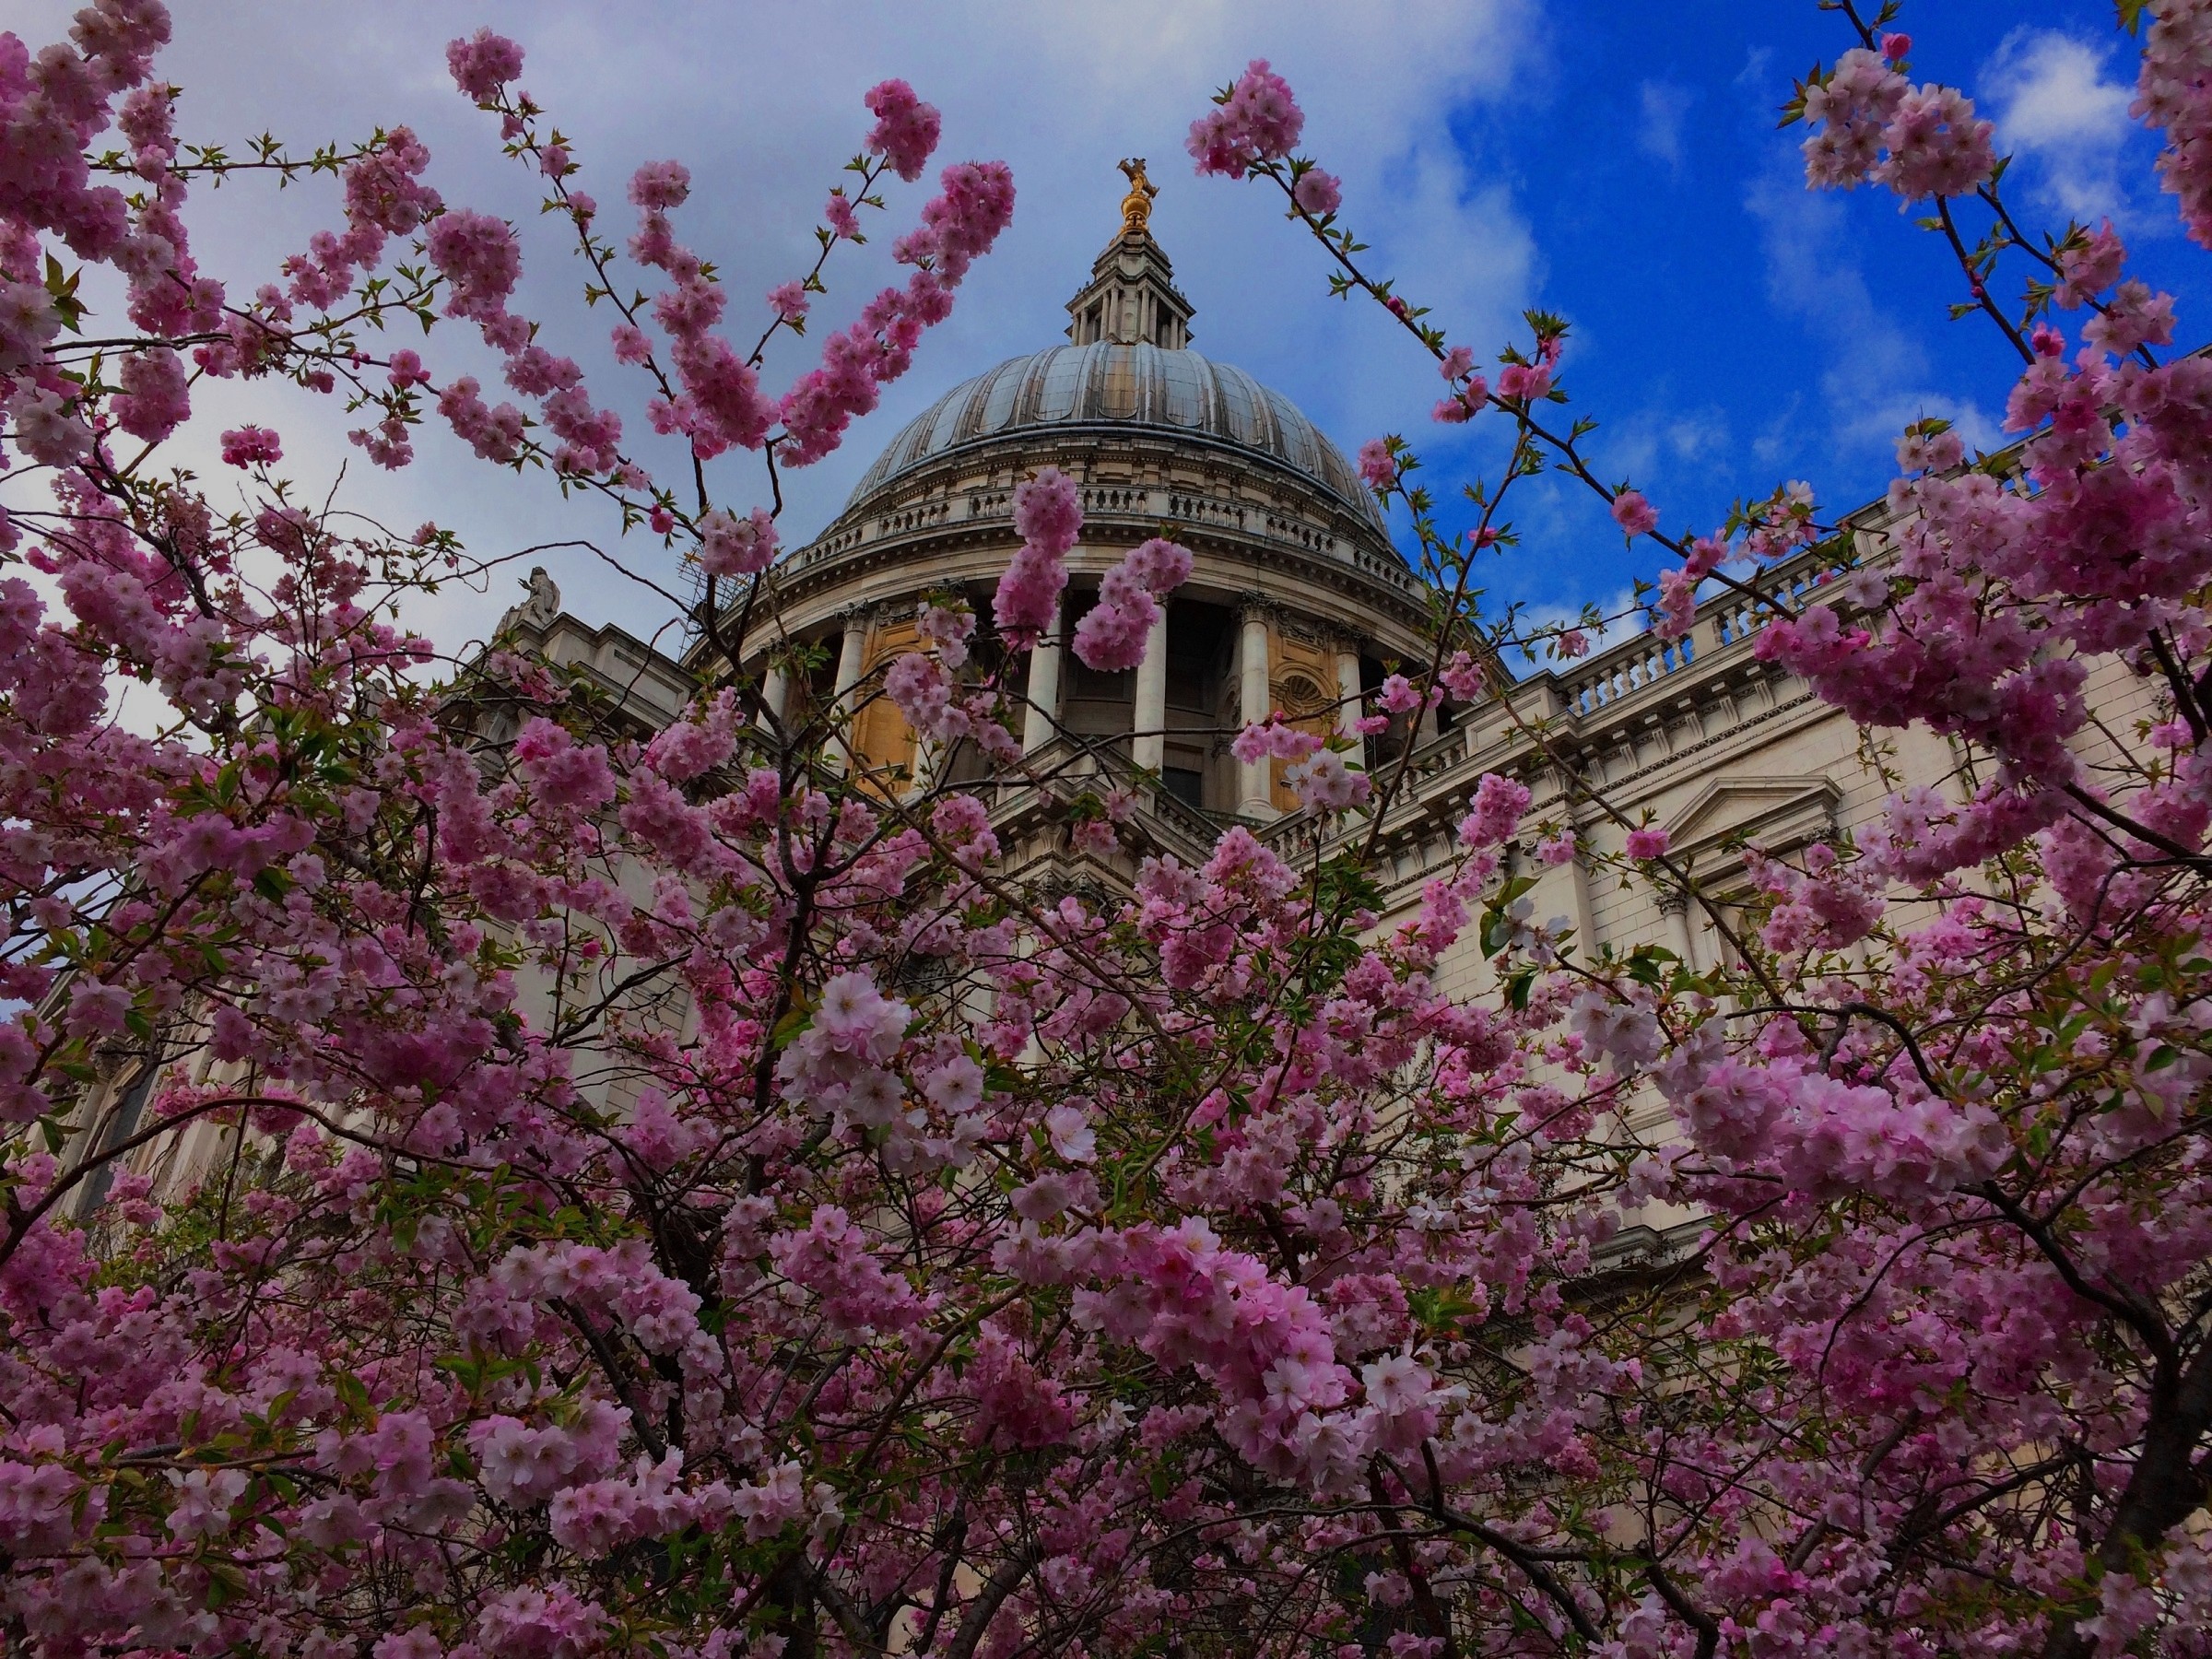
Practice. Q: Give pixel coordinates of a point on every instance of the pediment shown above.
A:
(1779, 812)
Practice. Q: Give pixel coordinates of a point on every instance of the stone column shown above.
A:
(852, 660)
(1680, 939)
(1044, 688)
(1149, 749)
(1255, 780)
(1348, 695)
(775, 690)
(1580, 909)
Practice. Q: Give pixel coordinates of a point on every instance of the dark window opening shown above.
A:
(124, 1125)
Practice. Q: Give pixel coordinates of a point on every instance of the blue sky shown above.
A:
(1615, 162)
(1731, 329)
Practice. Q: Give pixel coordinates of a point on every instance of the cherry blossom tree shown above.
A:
(668, 1193)
(1949, 1357)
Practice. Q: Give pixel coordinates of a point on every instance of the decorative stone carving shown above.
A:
(1779, 813)
(1305, 631)
(541, 609)
(1300, 697)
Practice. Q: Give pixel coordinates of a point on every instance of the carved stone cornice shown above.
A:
(1266, 607)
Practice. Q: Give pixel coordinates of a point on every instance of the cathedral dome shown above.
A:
(1113, 387)
(1296, 598)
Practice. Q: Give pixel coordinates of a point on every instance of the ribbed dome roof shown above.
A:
(1135, 385)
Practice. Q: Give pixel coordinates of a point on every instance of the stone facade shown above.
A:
(1298, 602)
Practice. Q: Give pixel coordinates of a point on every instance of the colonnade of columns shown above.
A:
(1148, 718)
(1253, 665)
(1254, 669)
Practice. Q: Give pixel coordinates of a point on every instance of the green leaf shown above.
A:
(1517, 987)
(352, 1392)
(226, 1583)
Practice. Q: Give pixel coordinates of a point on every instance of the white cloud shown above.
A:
(2052, 103)
(763, 103)
(1773, 440)
(1644, 446)
(1622, 617)
(1659, 132)
(1876, 382)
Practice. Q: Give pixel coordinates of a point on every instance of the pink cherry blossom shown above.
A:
(657, 186)
(1048, 515)
(2089, 266)
(1257, 120)
(246, 446)
(1318, 192)
(788, 300)
(1850, 110)
(156, 397)
(1113, 635)
(484, 63)
(1378, 466)
(1071, 1133)
(906, 129)
(1326, 782)
(975, 204)
(478, 258)
(2170, 94)
(1635, 516)
(1523, 382)
(730, 546)
(1499, 804)
(1937, 145)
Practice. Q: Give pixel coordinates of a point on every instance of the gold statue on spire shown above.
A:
(1136, 207)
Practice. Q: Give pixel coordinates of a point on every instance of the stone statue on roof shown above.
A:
(540, 609)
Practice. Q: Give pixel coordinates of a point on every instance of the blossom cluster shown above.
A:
(494, 1181)
(1256, 120)
(1873, 123)
(1113, 633)
(975, 205)
(1047, 517)
(2172, 94)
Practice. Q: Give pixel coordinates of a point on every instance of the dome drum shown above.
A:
(1268, 529)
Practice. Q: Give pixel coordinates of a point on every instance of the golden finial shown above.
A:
(1136, 207)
